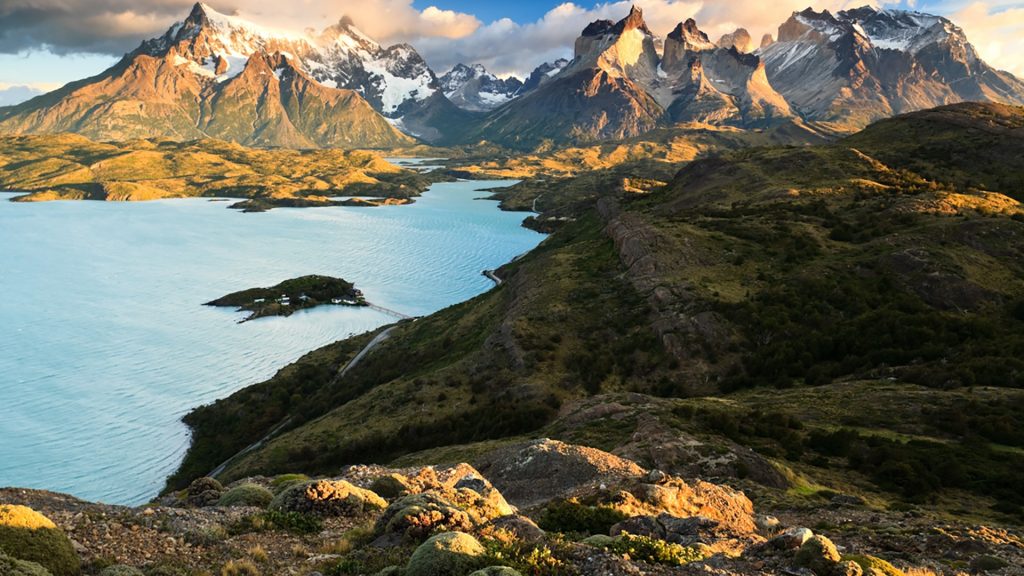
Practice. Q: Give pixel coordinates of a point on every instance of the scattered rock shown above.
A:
(121, 570)
(446, 554)
(986, 563)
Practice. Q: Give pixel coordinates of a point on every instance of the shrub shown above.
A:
(447, 554)
(574, 517)
(29, 536)
(525, 558)
(121, 570)
(14, 567)
(247, 495)
(655, 551)
(239, 568)
(285, 481)
(873, 566)
(295, 522)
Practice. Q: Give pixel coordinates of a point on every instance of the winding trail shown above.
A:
(341, 374)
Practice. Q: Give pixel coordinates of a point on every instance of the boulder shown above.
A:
(417, 516)
(391, 485)
(328, 498)
(447, 554)
(29, 536)
(204, 492)
(791, 539)
(730, 509)
(819, 555)
(534, 473)
(513, 527)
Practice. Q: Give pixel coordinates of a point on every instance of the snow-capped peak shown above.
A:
(217, 47)
(474, 88)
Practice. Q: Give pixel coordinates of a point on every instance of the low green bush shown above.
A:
(29, 536)
(655, 551)
(571, 516)
(247, 495)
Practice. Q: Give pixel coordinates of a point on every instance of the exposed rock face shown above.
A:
(861, 65)
(534, 473)
(542, 74)
(474, 88)
(214, 75)
(740, 40)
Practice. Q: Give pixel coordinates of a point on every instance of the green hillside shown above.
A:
(771, 298)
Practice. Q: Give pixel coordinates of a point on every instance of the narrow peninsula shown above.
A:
(293, 295)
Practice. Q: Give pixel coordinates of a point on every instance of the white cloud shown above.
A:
(996, 32)
(506, 47)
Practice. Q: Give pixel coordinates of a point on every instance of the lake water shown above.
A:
(104, 343)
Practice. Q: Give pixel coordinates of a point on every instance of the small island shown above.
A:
(293, 295)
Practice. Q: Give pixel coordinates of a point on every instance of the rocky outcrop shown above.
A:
(533, 473)
(856, 66)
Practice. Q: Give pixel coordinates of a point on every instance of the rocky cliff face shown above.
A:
(861, 65)
(691, 80)
(474, 88)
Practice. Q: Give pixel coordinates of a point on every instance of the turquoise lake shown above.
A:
(105, 344)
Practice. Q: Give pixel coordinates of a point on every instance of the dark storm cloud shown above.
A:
(97, 26)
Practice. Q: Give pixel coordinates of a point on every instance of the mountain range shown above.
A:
(213, 75)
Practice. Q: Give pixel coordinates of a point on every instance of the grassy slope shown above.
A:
(767, 278)
(73, 167)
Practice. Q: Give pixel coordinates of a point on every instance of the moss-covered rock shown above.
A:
(121, 570)
(391, 486)
(873, 566)
(417, 516)
(447, 554)
(204, 492)
(328, 498)
(247, 495)
(28, 535)
(819, 555)
(14, 567)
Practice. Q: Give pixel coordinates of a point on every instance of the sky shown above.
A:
(46, 43)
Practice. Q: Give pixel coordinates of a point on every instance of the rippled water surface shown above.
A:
(104, 344)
